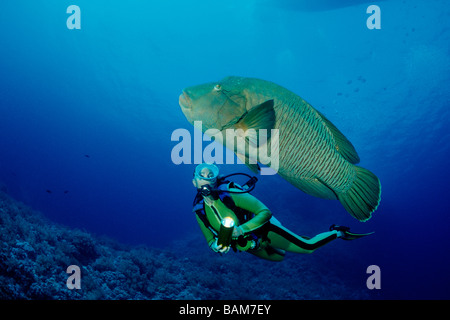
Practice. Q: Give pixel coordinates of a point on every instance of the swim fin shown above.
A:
(347, 234)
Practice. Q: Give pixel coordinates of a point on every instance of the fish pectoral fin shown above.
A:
(259, 117)
(343, 145)
(252, 166)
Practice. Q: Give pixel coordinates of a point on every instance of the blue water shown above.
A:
(86, 117)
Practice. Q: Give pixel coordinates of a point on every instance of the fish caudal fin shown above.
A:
(363, 198)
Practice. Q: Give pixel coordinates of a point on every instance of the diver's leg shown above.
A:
(269, 253)
(282, 238)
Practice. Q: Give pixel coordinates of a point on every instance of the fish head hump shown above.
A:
(218, 105)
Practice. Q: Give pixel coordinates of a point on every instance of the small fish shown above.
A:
(314, 155)
(48, 191)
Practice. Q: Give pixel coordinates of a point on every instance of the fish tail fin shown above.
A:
(363, 198)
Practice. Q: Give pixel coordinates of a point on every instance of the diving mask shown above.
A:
(206, 171)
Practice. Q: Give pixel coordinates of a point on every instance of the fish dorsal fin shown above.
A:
(260, 117)
(343, 146)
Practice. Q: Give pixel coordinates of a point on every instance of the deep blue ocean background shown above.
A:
(86, 118)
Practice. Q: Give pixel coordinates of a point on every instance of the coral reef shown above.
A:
(35, 253)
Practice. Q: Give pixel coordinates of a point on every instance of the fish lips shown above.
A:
(186, 106)
(185, 101)
(205, 120)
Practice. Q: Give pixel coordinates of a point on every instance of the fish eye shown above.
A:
(217, 87)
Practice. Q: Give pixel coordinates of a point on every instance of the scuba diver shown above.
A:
(254, 229)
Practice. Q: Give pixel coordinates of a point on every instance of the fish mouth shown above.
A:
(185, 101)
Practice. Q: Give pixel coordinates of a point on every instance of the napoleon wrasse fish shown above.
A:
(314, 155)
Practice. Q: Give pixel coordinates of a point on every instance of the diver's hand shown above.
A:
(237, 232)
(219, 248)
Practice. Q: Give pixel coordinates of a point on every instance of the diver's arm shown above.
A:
(209, 236)
(211, 239)
(250, 203)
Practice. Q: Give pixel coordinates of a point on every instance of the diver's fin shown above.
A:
(259, 117)
(347, 234)
(343, 145)
(254, 167)
(363, 198)
(352, 236)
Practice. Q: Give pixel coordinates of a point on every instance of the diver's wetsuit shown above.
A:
(259, 224)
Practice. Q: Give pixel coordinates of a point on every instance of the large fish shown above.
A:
(314, 155)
